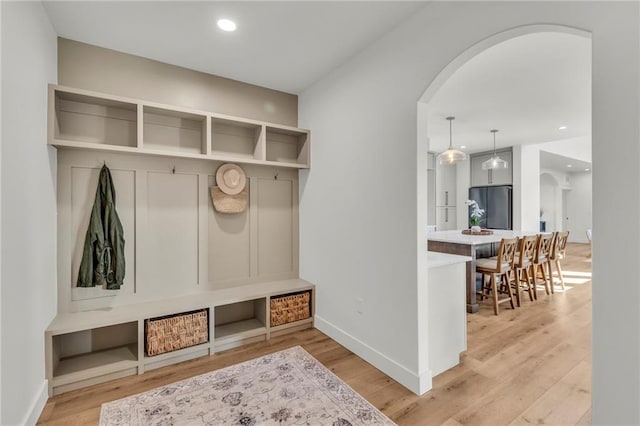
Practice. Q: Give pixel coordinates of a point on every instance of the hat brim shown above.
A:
(222, 184)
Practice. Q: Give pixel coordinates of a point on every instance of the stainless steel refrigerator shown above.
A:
(497, 205)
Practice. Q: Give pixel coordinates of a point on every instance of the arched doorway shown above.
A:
(530, 182)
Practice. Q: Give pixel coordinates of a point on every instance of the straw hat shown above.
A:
(231, 179)
(225, 203)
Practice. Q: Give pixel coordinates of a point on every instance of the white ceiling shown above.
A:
(526, 87)
(280, 45)
(551, 161)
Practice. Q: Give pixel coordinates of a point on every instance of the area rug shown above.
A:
(289, 387)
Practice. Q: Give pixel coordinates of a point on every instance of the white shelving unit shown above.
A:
(89, 347)
(81, 119)
(94, 346)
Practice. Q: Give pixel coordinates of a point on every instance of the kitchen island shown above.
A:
(473, 246)
(447, 316)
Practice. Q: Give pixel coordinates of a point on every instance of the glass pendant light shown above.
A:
(451, 155)
(494, 162)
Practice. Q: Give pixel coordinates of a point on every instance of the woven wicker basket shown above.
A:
(290, 308)
(179, 331)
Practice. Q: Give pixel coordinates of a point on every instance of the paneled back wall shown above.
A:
(89, 67)
(175, 242)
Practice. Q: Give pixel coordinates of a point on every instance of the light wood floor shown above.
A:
(531, 365)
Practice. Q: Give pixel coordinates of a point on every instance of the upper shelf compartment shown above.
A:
(237, 139)
(174, 131)
(95, 121)
(287, 145)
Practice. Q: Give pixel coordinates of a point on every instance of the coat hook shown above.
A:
(173, 171)
(276, 177)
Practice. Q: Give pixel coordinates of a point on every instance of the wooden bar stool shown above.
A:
(558, 253)
(523, 266)
(499, 267)
(542, 263)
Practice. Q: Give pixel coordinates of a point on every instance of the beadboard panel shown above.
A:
(175, 241)
(275, 227)
(171, 260)
(229, 243)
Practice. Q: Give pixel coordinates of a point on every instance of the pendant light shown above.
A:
(451, 155)
(494, 162)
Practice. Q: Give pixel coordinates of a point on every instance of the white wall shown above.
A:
(526, 188)
(549, 193)
(463, 182)
(28, 208)
(359, 210)
(0, 221)
(579, 207)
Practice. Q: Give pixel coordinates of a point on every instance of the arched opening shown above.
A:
(531, 188)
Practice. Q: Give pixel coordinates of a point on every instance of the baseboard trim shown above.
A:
(40, 400)
(416, 383)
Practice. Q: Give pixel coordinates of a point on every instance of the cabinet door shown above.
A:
(445, 218)
(431, 161)
(431, 197)
(503, 176)
(479, 177)
(445, 185)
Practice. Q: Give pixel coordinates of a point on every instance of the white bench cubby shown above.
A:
(90, 347)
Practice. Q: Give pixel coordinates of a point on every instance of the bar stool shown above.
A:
(523, 266)
(558, 253)
(501, 267)
(542, 261)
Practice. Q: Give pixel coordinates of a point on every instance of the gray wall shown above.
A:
(84, 66)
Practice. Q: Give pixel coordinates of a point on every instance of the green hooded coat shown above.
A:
(103, 256)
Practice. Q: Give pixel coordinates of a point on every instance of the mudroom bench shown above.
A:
(89, 347)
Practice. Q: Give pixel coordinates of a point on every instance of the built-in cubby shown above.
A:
(237, 322)
(85, 354)
(174, 131)
(81, 119)
(93, 120)
(237, 139)
(287, 145)
(89, 347)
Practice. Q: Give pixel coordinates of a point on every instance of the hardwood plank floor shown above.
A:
(529, 365)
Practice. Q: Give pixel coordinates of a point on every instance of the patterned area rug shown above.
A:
(289, 387)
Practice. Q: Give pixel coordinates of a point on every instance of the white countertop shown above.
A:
(436, 259)
(458, 237)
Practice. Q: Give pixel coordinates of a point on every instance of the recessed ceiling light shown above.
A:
(587, 170)
(226, 25)
(562, 128)
(463, 146)
(569, 165)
